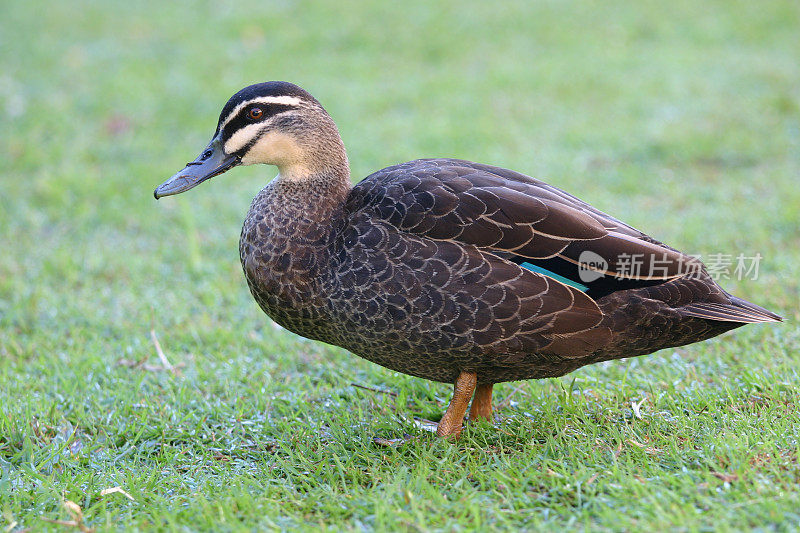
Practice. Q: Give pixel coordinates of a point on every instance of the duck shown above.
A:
(445, 269)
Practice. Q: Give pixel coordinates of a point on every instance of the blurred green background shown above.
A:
(681, 118)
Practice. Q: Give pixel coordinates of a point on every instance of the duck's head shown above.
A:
(276, 123)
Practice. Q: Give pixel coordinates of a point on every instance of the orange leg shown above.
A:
(482, 403)
(453, 418)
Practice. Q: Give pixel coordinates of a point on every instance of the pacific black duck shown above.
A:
(445, 269)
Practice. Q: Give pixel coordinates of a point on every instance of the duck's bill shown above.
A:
(213, 161)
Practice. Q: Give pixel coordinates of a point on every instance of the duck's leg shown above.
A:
(482, 403)
(453, 418)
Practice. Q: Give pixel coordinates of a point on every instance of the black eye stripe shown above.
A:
(241, 119)
(268, 110)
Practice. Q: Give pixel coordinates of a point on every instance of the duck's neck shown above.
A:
(299, 206)
(290, 218)
(310, 180)
(317, 170)
(313, 194)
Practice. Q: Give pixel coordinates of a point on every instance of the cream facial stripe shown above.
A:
(243, 136)
(283, 100)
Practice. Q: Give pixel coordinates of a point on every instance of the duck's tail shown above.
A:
(737, 310)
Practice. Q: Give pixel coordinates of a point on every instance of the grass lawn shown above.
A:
(681, 118)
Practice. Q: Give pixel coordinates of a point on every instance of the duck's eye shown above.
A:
(255, 113)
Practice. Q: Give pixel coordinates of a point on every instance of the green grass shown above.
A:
(681, 118)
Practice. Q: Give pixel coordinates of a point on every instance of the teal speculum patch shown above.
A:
(549, 274)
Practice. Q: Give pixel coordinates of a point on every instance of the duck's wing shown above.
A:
(535, 240)
(524, 234)
(523, 220)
